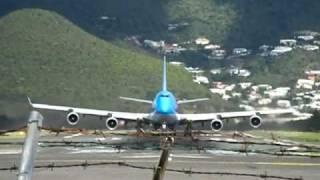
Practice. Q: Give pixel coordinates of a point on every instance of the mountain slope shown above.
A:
(48, 58)
(241, 23)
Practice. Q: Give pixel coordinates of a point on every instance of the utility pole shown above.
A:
(30, 146)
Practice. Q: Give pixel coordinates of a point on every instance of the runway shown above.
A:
(210, 160)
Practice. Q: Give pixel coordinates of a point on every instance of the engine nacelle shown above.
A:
(73, 118)
(216, 125)
(255, 121)
(112, 123)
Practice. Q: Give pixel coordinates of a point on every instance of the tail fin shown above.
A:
(164, 74)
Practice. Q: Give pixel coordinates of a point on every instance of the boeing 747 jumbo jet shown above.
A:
(164, 114)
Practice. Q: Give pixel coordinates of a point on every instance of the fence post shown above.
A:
(163, 161)
(30, 146)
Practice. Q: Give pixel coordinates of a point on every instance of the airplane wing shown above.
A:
(94, 112)
(136, 100)
(230, 115)
(192, 100)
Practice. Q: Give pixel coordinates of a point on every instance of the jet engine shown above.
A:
(255, 121)
(73, 118)
(112, 123)
(216, 125)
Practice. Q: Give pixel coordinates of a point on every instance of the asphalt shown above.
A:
(211, 160)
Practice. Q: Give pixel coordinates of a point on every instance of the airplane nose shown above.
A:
(164, 108)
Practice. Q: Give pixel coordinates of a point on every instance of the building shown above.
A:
(288, 42)
(153, 44)
(245, 85)
(264, 101)
(201, 80)
(304, 84)
(240, 52)
(283, 103)
(309, 47)
(212, 46)
(280, 92)
(313, 75)
(305, 37)
(176, 63)
(202, 41)
(215, 71)
(278, 50)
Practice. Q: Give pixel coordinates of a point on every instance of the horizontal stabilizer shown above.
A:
(136, 100)
(192, 100)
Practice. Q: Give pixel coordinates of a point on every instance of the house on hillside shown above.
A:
(240, 52)
(201, 80)
(202, 41)
(313, 75)
(212, 46)
(215, 71)
(239, 72)
(278, 50)
(176, 63)
(288, 42)
(305, 37)
(309, 47)
(154, 44)
(304, 84)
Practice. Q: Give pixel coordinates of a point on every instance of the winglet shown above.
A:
(30, 102)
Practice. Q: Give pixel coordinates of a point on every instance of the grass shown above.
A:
(291, 135)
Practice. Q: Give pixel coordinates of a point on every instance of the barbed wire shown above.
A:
(87, 164)
(284, 147)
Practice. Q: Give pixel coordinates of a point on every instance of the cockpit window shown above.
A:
(164, 95)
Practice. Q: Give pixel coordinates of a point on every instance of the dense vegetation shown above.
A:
(241, 23)
(48, 58)
(283, 70)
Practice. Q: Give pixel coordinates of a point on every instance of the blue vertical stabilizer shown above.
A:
(164, 74)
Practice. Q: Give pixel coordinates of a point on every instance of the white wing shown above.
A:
(228, 115)
(93, 112)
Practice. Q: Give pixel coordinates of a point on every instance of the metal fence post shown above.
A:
(30, 146)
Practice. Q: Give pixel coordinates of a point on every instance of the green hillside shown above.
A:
(240, 23)
(51, 60)
(283, 70)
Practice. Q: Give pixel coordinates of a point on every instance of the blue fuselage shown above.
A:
(165, 106)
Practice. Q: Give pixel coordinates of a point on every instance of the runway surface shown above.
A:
(211, 160)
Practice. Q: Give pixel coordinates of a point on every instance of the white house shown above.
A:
(218, 91)
(212, 46)
(288, 42)
(304, 83)
(218, 53)
(153, 44)
(278, 50)
(176, 63)
(309, 47)
(284, 103)
(201, 80)
(280, 92)
(202, 41)
(215, 71)
(240, 51)
(264, 101)
(305, 37)
(245, 85)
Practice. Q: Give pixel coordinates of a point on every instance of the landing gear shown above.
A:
(139, 127)
(188, 129)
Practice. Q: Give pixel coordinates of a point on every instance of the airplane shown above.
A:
(164, 113)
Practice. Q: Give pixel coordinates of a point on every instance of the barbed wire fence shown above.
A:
(87, 164)
(283, 151)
